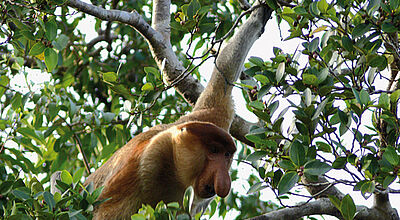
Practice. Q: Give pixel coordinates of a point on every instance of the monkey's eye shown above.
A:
(227, 154)
(214, 150)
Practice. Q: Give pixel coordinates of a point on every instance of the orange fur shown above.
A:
(161, 163)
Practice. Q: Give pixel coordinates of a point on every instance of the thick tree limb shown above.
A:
(131, 18)
(161, 18)
(382, 204)
(233, 55)
(317, 190)
(323, 206)
(318, 207)
(244, 4)
(158, 39)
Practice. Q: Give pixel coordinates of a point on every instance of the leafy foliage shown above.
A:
(347, 117)
(98, 93)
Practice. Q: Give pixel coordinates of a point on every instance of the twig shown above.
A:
(80, 147)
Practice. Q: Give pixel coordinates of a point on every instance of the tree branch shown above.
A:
(131, 18)
(323, 206)
(158, 39)
(161, 18)
(383, 206)
(315, 188)
(244, 4)
(318, 207)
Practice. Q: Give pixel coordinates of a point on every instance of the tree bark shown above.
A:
(324, 206)
(157, 36)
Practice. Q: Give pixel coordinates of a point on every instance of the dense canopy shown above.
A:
(328, 112)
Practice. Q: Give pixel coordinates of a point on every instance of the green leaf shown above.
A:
(51, 30)
(297, 153)
(356, 95)
(148, 87)
(388, 180)
(313, 46)
(347, 44)
(108, 116)
(138, 217)
(288, 14)
(28, 35)
(367, 189)
(373, 6)
(287, 182)
(96, 193)
(378, 61)
(316, 168)
(61, 42)
(188, 199)
(5, 187)
(256, 187)
(21, 194)
(255, 156)
(257, 61)
(335, 201)
(320, 108)
(371, 75)
(4, 80)
(193, 8)
(272, 4)
(261, 78)
(66, 177)
(78, 175)
(110, 77)
(322, 75)
(339, 163)
(151, 96)
(49, 199)
(322, 6)
(307, 96)
(324, 147)
(360, 30)
(37, 49)
(257, 105)
(394, 97)
(280, 71)
(388, 27)
(310, 79)
(287, 165)
(50, 59)
(53, 110)
(391, 156)
(16, 101)
(348, 208)
(153, 71)
(314, 8)
(384, 101)
(30, 133)
(364, 97)
(301, 128)
(394, 4)
(255, 139)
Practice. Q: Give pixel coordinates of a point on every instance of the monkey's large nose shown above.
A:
(209, 190)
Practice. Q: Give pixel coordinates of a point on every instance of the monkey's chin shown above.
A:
(199, 205)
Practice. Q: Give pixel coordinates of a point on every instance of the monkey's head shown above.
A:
(203, 155)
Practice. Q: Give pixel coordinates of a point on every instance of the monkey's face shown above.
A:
(203, 157)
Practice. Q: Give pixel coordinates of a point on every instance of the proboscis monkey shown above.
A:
(194, 151)
(161, 163)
